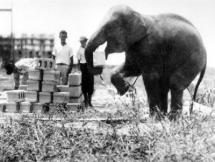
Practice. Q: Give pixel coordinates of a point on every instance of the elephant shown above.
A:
(166, 50)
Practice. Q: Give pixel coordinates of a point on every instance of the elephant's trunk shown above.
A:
(96, 40)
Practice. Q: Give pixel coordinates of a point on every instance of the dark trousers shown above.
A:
(87, 83)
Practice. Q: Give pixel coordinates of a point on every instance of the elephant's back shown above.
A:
(171, 26)
(174, 17)
(173, 22)
(176, 37)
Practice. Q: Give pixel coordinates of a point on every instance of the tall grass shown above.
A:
(191, 138)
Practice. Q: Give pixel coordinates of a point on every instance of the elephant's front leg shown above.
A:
(117, 78)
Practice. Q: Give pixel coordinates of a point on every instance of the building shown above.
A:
(26, 46)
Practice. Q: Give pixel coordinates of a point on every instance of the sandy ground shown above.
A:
(105, 97)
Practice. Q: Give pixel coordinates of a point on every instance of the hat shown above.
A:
(83, 39)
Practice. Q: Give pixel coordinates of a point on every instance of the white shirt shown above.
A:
(81, 56)
(63, 54)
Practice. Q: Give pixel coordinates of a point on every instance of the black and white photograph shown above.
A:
(107, 81)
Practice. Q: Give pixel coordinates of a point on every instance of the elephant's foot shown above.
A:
(175, 115)
(176, 104)
(156, 114)
(123, 89)
(121, 85)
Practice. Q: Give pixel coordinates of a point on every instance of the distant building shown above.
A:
(26, 46)
(5, 49)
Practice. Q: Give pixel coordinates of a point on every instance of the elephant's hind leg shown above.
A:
(179, 81)
(177, 86)
(176, 104)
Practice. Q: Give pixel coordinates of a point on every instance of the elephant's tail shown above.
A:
(197, 86)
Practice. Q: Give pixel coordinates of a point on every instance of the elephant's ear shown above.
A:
(136, 27)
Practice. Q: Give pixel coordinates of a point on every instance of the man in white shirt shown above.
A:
(87, 77)
(64, 58)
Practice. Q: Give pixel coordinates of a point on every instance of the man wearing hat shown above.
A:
(87, 77)
(63, 57)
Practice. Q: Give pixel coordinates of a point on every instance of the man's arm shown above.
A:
(71, 61)
(78, 56)
(54, 54)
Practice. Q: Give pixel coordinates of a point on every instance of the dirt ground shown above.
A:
(104, 95)
(106, 100)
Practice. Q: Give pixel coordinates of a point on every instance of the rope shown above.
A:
(101, 77)
(135, 81)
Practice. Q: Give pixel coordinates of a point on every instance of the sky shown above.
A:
(82, 17)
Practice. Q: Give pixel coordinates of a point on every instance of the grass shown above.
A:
(191, 138)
